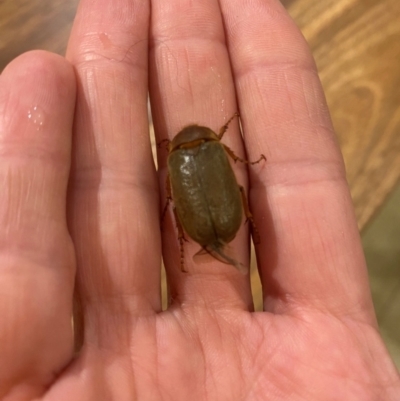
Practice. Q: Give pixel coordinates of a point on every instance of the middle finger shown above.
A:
(191, 83)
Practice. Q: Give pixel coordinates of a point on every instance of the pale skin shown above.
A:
(80, 207)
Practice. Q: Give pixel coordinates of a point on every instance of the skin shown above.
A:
(80, 203)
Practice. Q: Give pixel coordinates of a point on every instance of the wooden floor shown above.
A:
(34, 24)
(356, 44)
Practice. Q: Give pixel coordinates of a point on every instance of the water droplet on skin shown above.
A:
(36, 117)
(223, 105)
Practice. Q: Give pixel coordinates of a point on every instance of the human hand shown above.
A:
(317, 338)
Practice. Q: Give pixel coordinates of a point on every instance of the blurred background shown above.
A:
(356, 45)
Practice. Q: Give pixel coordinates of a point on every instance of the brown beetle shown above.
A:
(208, 201)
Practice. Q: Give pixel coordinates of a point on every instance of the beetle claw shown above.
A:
(166, 141)
(183, 238)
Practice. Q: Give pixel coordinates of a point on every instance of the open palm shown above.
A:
(80, 211)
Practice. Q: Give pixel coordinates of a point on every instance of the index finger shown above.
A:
(311, 253)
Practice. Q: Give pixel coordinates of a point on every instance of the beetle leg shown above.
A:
(181, 236)
(249, 216)
(225, 127)
(231, 153)
(169, 198)
(181, 239)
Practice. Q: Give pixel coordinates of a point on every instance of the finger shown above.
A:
(191, 83)
(114, 212)
(310, 252)
(37, 96)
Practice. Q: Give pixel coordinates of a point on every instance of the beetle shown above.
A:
(208, 201)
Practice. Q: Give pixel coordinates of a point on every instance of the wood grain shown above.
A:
(34, 24)
(356, 44)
